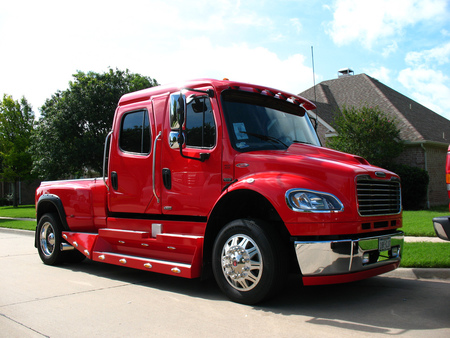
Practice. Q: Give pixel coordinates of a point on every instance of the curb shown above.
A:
(17, 231)
(420, 273)
(19, 219)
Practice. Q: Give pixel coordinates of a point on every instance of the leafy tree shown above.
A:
(70, 135)
(16, 128)
(367, 132)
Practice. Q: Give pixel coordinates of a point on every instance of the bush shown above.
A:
(367, 132)
(4, 201)
(414, 185)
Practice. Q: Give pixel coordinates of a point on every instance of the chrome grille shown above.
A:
(378, 197)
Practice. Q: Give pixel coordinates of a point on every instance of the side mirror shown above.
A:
(177, 110)
(442, 227)
(181, 109)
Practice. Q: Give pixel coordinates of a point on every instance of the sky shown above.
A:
(404, 44)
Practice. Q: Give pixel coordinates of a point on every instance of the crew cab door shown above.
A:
(130, 161)
(190, 185)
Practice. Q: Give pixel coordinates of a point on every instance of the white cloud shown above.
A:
(295, 22)
(439, 55)
(44, 45)
(368, 22)
(390, 49)
(237, 62)
(382, 74)
(429, 87)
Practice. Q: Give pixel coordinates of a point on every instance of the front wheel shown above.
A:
(49, 239)
(249, 264)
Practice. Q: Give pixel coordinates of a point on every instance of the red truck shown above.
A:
(225, 178)
(442, 224)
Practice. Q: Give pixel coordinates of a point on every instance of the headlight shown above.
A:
(312, 201)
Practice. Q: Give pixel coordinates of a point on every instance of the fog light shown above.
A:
(395, 251)
(366, 258)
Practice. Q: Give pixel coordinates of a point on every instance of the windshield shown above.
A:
(257, 122)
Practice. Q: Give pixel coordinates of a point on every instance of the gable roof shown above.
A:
(416, 122)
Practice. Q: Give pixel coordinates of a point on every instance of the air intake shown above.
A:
(378, 197)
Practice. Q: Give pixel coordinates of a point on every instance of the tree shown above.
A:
(16, 128)
(369, 133)
(70, 135)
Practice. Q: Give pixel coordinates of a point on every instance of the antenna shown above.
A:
(314, 83)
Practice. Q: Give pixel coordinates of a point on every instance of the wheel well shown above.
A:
(235, 205)
(51, 204)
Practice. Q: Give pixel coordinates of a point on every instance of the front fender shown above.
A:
(51, 203)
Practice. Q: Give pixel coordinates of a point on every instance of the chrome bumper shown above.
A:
(324, 258)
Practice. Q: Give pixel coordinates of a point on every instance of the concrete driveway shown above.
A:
(94, 299)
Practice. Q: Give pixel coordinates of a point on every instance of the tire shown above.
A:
(249, 262)
(49, 239)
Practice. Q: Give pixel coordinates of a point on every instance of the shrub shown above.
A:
(414, 185)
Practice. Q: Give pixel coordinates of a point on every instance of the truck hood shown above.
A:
(318, 165)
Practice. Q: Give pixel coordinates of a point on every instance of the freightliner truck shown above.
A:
(216, 177)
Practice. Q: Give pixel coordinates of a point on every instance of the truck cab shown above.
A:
(230, 179)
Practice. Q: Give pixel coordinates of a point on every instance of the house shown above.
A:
(425, 133)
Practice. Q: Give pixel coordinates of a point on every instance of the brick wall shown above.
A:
(437, 189)
(414, 155)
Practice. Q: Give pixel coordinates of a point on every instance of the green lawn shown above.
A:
(426, 255)
(419, 223)
(13, 224)
(22, 211)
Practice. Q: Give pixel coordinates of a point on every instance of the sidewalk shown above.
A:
(410, 239)
(19, 219)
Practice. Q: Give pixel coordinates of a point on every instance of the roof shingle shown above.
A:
(416, 122)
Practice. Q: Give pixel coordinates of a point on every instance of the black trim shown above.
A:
(158, 217)
(57, 203)
(228, 185)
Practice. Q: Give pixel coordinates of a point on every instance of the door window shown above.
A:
(200, 125)
(135, 133)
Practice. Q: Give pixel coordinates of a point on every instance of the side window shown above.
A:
(200, 128)
(135, 133)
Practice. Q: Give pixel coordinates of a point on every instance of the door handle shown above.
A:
(167, 178)
(153, 166)
(114, 180)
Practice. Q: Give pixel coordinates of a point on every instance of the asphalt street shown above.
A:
(98, 300)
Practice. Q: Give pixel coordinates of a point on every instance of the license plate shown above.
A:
(384, 244)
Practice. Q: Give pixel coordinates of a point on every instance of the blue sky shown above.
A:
(405, 44)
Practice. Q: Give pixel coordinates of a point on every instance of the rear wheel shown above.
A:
(248, 261)
(49, 239)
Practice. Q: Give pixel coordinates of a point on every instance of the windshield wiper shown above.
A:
(304, 142)
(265, 138)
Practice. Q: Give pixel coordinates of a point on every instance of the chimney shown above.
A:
(345, 72)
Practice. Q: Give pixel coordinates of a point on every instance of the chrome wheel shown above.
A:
(248, 260)
(47, 239)
(242, 263)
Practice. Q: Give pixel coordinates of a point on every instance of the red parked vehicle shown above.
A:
(229, 178)
(442, 224)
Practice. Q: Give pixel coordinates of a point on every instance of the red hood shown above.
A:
(307, 161)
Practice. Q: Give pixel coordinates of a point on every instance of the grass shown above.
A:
(22, 211)
(415, 223)
(419, 223)
(426, 255)
(14, 224)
